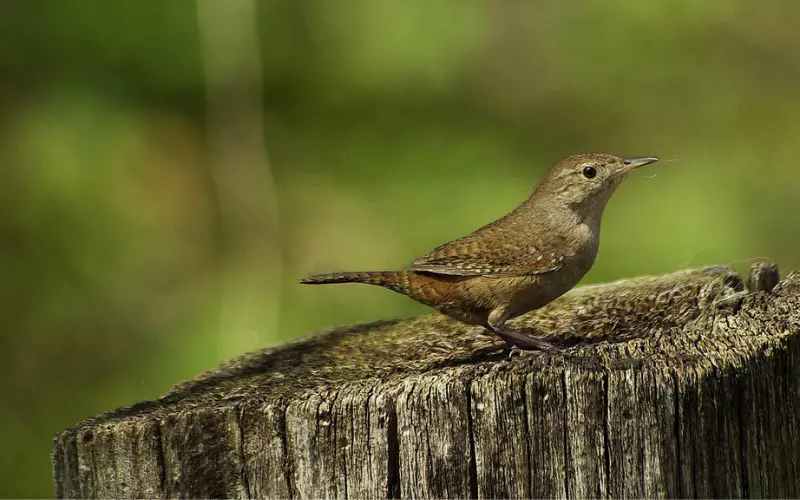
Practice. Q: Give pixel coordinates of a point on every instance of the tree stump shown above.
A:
(678, 386)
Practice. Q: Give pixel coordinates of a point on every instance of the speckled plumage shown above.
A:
(520, 262)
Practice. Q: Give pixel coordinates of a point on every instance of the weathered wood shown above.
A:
(678, 386)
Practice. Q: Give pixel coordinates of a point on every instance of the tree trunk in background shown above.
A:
(683, 386)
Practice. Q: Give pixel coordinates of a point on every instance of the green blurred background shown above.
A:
(171, 168)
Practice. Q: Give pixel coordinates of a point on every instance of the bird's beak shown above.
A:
(631, 163)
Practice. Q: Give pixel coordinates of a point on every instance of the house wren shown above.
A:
(520, 262)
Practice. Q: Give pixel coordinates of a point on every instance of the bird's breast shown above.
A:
(582, 241)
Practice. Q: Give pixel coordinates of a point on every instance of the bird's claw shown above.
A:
(534, 350)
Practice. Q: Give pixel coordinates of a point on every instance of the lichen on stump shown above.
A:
(677, 386)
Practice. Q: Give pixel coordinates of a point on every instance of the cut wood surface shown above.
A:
(677, 386)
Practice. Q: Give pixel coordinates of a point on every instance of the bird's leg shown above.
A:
(497, 323)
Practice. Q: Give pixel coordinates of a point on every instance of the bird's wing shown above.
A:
(490, 253)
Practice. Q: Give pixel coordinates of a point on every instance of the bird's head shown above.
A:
(585, 182)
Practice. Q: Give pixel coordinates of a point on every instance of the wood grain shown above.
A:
(678, 386)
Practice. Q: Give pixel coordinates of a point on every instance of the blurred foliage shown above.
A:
(390, 127)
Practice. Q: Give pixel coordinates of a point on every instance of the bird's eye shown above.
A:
(589, 172)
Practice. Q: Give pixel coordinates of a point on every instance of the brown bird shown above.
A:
(520, 262)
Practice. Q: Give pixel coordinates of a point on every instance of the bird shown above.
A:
(520, 262)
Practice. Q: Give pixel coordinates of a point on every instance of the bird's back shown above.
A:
(514, 245)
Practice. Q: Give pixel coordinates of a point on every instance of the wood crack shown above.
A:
(288, 467)
(473, 467)
(160, 456)
(565, 416)
(245, 480)
(393, 445)
(678, 436)
(528, 437)
(606, 439)
(743, 458)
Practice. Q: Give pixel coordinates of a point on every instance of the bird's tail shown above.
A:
(397, 281)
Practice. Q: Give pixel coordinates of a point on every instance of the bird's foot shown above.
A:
(532, 347)
(525, 342)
